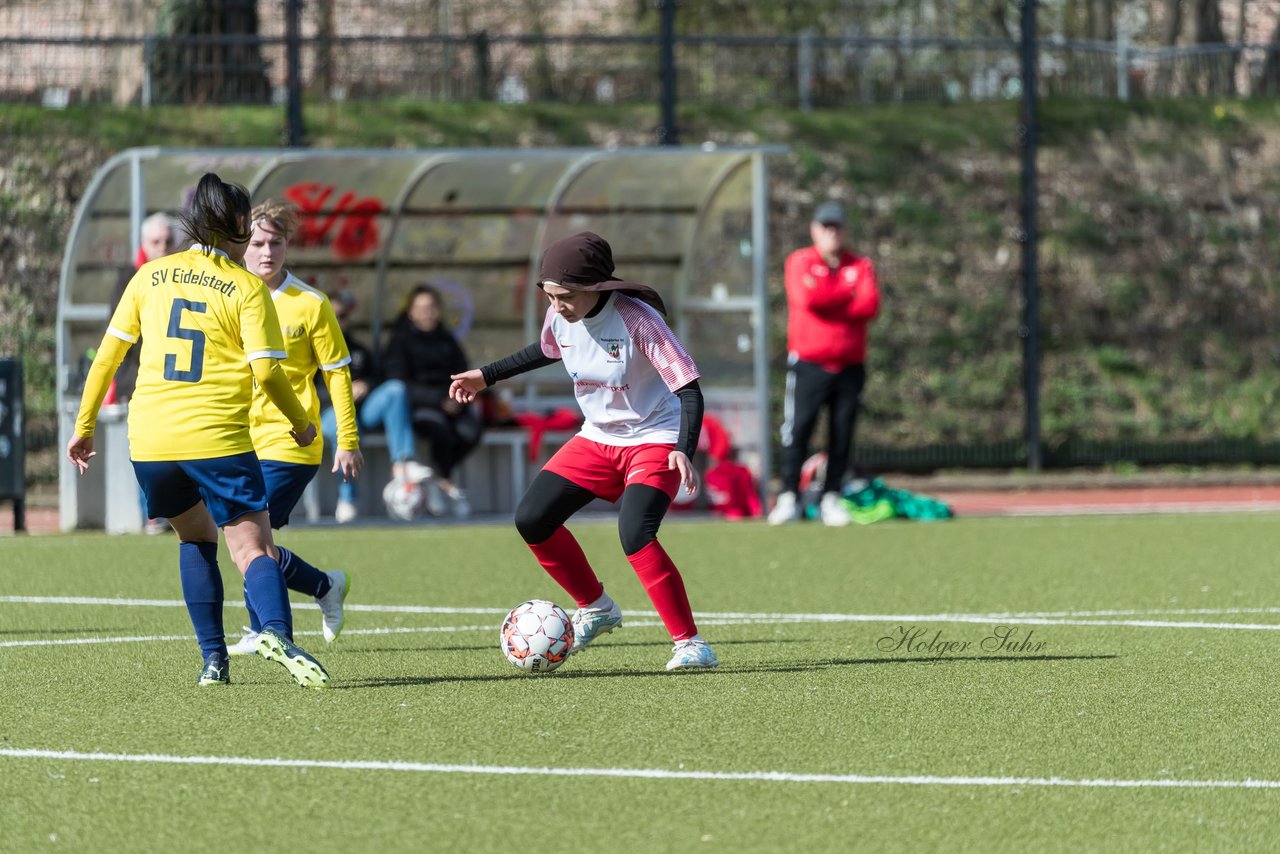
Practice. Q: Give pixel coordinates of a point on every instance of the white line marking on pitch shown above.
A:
(643, 773)
(1061, 618)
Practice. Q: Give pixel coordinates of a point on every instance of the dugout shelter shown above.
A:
(692, 222)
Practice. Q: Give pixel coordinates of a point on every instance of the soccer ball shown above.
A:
(404, 500)
(537, 636)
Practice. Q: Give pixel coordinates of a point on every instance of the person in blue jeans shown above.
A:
(379, 406)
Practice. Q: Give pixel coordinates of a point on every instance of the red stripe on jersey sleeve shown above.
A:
(656, 340)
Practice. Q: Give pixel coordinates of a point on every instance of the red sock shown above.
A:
(562, 558)
(662, 580)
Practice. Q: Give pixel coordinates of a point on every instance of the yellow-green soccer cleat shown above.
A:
(304, 669)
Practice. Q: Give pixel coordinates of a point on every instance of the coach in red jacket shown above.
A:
(832, 297)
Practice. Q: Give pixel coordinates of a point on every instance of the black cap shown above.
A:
(829, 213)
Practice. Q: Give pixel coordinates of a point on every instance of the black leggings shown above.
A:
(552, 499)
(451, 437)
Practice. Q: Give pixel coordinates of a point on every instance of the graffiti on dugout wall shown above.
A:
(347, 223)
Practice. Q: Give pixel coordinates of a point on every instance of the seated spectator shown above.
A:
(379, 405)
(731, 488)
(423, 354)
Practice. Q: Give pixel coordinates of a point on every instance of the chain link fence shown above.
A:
(804, 71)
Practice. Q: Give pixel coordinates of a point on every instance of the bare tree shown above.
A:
(1269, 81)
(209, 53)
(325, 32)
(1100, 17)
(1217, 74)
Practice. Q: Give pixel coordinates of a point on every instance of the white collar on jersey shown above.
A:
(288, 279)
(209, 250)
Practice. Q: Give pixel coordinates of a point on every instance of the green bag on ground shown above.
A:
(876, 501)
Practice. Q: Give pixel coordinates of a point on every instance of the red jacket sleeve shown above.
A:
(866, 296)
(810, 293)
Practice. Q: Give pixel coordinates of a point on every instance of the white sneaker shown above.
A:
(590, 623)
(784, 510)
(331, 605)
(692, 654)
(247, 645)
(416, 472)
(458, 498)
(345, 512)
(435, 496)
(833, 510)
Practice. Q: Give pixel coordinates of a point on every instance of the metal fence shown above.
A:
(805, 70)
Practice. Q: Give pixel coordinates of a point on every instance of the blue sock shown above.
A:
(264, 587)
(202, 590)
(255, 624)
(302, 576)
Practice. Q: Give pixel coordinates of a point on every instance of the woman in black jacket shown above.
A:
(423, 354)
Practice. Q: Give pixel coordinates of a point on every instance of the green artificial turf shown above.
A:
(823, 730)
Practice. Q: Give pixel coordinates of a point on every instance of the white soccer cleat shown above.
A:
(785, 510)
(590, 623)
(332, 615)
(692, 654)
(834, 511)
(345, 512)
(247, 645)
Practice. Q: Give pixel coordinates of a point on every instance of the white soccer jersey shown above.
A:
(625, 363)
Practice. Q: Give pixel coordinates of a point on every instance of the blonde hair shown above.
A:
(280, 214)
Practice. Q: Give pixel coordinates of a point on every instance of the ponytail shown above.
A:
(218, 213)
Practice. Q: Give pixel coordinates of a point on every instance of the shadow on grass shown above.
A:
(795, 667)
(611, 645)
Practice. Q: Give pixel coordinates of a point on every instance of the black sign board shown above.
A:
(13, 448)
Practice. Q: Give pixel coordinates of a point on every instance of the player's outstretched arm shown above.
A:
(466, 385)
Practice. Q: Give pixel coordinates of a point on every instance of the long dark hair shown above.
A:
(219, 211)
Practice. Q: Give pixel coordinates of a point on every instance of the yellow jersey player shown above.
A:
(209, 331)
(313, 342)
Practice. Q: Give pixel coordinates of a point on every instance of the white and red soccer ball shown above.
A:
(537, 636)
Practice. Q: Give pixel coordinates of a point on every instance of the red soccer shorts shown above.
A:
(606, 470)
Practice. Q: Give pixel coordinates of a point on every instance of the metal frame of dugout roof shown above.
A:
(692, 222)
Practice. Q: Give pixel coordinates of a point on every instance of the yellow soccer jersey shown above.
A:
(313, 342)
(202, 319)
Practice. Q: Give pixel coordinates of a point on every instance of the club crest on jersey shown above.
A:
(613, 347)
(295, 331)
